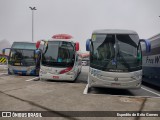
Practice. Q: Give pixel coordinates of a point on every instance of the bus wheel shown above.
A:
(80, 72)
(89, 89)
(74, 80)
(41, 79)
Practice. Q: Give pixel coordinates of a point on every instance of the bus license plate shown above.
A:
(19, 73)
(56, 77)
(115, 84)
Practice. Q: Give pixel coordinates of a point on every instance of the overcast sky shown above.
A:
(77, 18)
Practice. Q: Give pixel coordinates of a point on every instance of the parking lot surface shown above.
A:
(22, 93)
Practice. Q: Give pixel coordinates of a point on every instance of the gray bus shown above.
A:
(115, 59)
(151, 62)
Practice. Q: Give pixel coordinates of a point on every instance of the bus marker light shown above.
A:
(62, 36)
(77, 46)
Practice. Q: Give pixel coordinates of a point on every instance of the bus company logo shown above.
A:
(6, 114)
(116, 79)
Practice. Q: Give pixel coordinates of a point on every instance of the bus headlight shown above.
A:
(42, 71)
(70, 73)
(137, 77)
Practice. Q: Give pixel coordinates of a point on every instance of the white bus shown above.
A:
(60, 59)
(115, 59)
(151, 62)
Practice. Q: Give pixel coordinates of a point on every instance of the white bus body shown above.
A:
(60, 59)
(115, 59)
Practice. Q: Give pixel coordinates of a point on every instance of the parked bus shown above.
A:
(22, 59)
(151, 62)
(61, 59)
(115, 59)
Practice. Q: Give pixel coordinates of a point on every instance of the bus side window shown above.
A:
(76, 59)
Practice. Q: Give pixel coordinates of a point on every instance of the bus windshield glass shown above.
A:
(24, 45)
(22, 57)
(59, 54)
(115, 52)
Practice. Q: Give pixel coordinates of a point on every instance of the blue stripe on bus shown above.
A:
(33, 72)
(151, 75)
(151, 71)
(24, 72)
(153, 81)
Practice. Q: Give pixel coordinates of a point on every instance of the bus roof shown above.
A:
(24, 45)
(114, 31)
(23, 42)
(68, 40)
(155, 37)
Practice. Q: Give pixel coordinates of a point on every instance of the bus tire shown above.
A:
(9, 73)
(74, 79)
(79, 72)
(89, 88)
(41, 79)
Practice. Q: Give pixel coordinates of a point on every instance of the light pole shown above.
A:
(33, 8)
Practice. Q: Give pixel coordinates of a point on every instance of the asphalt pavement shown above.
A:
(26, 93)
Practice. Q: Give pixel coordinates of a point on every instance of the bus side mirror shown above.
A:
(37, 52)
(139, 56)
(38, 44)
(88, 44)
(77, 46)
(4, 52)
(147, 43)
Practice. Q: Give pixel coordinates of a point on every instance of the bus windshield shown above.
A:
(116, 53)
(22, 57)
(59, 54)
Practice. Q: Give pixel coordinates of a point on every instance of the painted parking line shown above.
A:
(3, 66)
(157, 94)
(3, 74)
(150, 91)
(86, 90)
(32, 79)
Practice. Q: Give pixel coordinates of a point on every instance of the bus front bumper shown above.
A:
(59, 77)
(96, 82)
(20, 70)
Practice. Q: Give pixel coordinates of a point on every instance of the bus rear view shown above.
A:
(115, 59)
